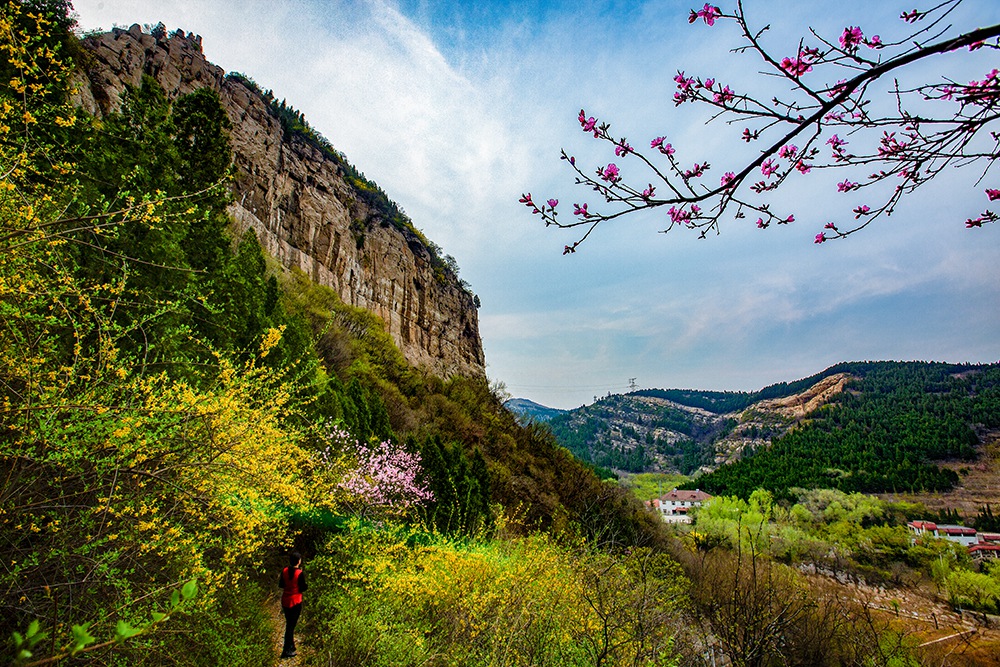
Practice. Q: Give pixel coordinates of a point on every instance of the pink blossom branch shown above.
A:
(906, 152)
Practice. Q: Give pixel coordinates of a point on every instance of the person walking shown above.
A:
(293, 581)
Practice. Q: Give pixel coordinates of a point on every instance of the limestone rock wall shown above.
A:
(303, 210)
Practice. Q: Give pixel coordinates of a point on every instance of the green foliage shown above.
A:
(82, 641)
(649, 485)
(974, 590)
(833, 531)
(143, 440)
(461, 488)
(986, 520)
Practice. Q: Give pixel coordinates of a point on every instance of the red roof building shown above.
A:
(674, 506)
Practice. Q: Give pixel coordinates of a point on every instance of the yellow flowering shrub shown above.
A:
(400, 597)
(125, 469)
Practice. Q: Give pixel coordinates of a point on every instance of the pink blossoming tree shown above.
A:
(827, 118)
(386, 478)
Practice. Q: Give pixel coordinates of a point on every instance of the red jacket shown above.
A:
(293, 581)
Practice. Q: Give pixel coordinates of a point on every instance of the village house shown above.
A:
(980, 545)
(673, 507)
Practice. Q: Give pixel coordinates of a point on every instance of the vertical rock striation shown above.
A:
(305, 208)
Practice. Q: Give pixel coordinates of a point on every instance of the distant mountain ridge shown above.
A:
(528, 409)
(860, 426)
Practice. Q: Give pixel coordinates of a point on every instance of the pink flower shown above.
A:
(589, 124)
(803, 167)
(768, 168)
(789, 219)
(761, 224)
(748, 135)
(890, 146)
(993, 194)
(874, 43)
(860, 211)
(696, 171)
(610, 173)
(830, 225)
(836, 142)
(648, 193)
(553, 203)
(987, 216)
(526, 200)
(911, 17)
(723, 96)
(683, 83)
(846, 186)
(727, 178)
(622, 149)
(820, 238)
(796, 67)
(788, 151)
(837, 90)
(678, 215)
(709, 83)
(851, 38)
(666, 149)
(708, 13)
(387, 475)
(581, 211)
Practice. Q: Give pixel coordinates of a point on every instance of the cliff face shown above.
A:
(303, 209)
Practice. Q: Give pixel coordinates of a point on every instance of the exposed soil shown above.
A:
(945, 637)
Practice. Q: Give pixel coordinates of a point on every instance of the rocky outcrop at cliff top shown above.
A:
(304, 210)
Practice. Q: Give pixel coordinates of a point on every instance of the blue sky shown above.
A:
(456, 108)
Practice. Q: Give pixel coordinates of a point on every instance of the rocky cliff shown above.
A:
(306, 210)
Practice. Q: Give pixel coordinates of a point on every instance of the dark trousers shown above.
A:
(291, 618)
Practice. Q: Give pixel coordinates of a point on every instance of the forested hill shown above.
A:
(857, 426)
(721, 402)
(883, 433)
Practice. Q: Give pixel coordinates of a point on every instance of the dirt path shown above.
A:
(274, 608)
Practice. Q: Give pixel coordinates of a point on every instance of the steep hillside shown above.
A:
(636, 433)
(309, 207)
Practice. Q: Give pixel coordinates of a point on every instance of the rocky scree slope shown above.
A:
(305, 207)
